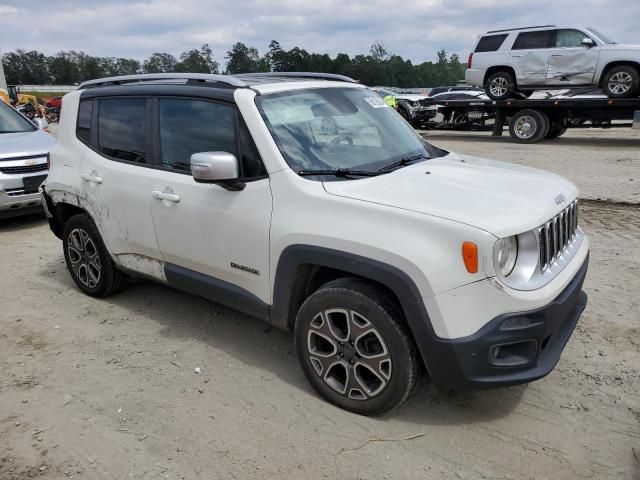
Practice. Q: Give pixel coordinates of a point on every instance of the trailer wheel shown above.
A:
(529, 126)
(556, 132)
(621, 82)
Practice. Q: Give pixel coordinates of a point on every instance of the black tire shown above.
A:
(556, 131)
(340, 371)
(529, 126)
(88, 260)
(621, 82)
(500, 85)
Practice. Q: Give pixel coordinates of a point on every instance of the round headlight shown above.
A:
(506, 253)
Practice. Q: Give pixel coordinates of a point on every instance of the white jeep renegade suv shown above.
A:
(514, 62)
(306, 201)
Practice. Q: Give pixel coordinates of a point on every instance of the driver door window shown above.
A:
(570, 62)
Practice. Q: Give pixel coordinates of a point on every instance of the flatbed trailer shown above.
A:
(533, 120)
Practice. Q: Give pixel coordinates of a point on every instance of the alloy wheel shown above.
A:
(84, 257)
(348, 352)
(619, 83)
(499, 86)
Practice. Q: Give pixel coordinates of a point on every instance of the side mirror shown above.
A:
(587, 42)
(221, 168)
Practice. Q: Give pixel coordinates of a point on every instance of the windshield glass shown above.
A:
(12, 122)
(601, 36)
(339, 128)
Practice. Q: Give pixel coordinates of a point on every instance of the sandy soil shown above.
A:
(604, 164)
(108, 389)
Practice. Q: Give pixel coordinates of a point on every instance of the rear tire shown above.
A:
(621, 82)
(555, 132)
(354, 348)
(88, 260)
(529, 126)
(500, 86)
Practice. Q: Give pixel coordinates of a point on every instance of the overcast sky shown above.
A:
(415, 29)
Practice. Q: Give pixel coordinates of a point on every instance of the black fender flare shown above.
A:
(396, 280)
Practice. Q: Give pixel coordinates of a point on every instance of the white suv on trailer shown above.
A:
(514, 62)
(304, 200)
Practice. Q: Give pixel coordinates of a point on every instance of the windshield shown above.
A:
(339, 128)
(12, 122)
(601, 36)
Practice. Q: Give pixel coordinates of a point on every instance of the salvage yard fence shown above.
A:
(48, 88)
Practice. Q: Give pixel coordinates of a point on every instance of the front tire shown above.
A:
(621, 82)
(88, 260)
(500, 86)
(354, 348)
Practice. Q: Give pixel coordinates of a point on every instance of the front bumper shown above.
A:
(512, 348)
(422, 115)
(12, 206)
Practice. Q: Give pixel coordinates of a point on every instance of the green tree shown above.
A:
(24, 66)
(160, 63)
(379, 52)
(197, 61)
(63, 69)
(276, 57)
(243, 59)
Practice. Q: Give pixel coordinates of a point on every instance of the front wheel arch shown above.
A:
(298, 261)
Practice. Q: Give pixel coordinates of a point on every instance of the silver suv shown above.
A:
(512, 63)
(24, 154)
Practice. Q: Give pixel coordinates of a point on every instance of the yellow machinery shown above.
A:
(13, 96)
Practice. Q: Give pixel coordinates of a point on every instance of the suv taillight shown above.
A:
(470, 60)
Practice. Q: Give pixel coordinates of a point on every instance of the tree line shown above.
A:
(378, 67)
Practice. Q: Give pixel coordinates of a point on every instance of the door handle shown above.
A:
(90, 178)
(557, 55)
(170, 197)
(516, 56)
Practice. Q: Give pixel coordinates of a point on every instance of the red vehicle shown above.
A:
(54, 102)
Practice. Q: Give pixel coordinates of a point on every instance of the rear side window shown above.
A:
(83, 128)
(122, 128)
(490, 43)
(533, 40)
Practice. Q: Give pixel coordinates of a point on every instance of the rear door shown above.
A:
(210, 233)
(529, 56)
(570, 62)
(114, 180)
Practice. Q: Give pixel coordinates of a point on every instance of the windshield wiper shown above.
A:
(339, 172)
(402, 162)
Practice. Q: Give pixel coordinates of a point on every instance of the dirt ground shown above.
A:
(107, 388)
(604, 164)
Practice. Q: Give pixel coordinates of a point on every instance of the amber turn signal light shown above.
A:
(470, 256)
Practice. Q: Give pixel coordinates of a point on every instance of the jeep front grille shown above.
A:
(555, 236)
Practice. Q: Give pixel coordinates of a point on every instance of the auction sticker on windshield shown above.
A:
(376, 102)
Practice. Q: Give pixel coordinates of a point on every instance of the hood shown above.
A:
(24, 144)
(498, 197)
(620, 46)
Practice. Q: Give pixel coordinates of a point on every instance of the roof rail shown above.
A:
(520, 28)
(148, 77)
(308, 75)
